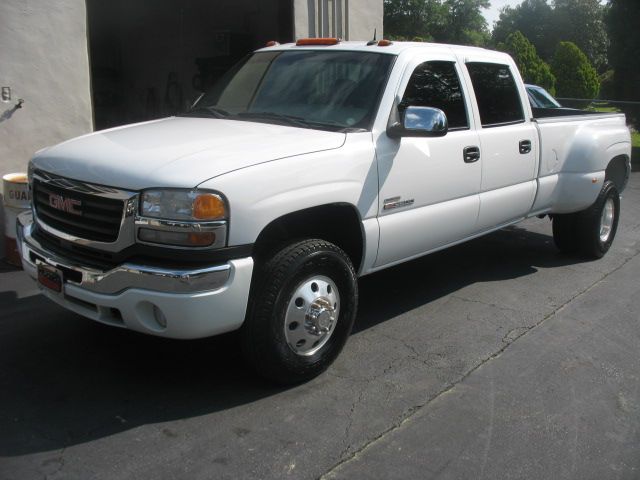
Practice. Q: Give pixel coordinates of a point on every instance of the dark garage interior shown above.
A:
(152, 59)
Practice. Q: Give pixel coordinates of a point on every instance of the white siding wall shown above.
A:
(43, 58)
(346, 19)
(364, 17)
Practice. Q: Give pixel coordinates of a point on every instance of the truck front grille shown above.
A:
(82, 215)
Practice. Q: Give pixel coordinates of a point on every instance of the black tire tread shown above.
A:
(588, 224)
(564, 234)
(271, 276)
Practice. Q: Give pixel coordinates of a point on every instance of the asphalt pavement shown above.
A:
(499, 358)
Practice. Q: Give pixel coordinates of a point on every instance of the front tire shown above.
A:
(302, 309)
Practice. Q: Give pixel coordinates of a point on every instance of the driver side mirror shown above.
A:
(420, 122)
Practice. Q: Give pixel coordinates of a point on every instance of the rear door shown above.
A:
(508, 141)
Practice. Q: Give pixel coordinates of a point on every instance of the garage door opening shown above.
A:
(152, 59)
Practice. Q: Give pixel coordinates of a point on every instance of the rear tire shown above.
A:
(301, 312)
(589, 232)
(564, 233)
(597, 226)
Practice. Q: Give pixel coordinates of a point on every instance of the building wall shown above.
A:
(346, 19)
(364, 17)
(43, 58)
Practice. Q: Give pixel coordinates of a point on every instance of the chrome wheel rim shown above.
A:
(311, 315)
(606, 220)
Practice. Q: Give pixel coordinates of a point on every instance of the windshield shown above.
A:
(306, 88)
(541, 98)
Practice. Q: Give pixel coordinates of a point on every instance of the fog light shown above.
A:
(159, 316)
(183, 239)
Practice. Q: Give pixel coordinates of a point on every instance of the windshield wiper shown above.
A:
(214, 112)
(289, 119)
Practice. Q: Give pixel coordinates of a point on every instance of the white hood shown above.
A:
(178, 151)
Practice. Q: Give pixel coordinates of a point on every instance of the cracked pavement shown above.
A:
(499, 358)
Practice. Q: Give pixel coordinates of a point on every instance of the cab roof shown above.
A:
(395, 48)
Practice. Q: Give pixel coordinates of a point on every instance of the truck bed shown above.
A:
(575, 145)
(561, 112)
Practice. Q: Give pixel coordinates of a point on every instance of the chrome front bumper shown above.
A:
(174, 303)
(127, 275)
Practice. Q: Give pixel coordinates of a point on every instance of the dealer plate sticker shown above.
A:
(50, 277)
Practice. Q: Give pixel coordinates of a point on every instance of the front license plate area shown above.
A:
(50, 277)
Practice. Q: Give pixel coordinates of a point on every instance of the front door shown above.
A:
(428, 186)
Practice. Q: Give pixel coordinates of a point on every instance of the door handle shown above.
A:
(471, 154)
(525, 146)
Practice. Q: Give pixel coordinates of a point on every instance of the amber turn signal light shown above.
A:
(201, 239)
(180, 239)
(208, 206)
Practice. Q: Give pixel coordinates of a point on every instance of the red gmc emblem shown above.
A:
(65, 204)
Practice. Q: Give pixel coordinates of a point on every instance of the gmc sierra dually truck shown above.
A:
(306, 166)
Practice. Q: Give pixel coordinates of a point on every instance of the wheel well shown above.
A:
(618, 172)
(337, 223)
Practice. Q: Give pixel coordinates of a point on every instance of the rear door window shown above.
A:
(497, 94)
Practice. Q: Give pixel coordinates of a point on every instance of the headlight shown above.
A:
(183, 205)
(182, 218)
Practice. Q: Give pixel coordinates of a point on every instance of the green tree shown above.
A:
(532, 68)
(533, 19)
(464, 22)
(607, 88)
(545, 24)
(575, 75)
(623, 21)
(583, 23)
(450, 21)
(408, 19)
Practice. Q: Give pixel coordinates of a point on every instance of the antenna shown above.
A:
(374, 41)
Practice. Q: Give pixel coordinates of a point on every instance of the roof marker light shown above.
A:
(317, 41)
(385, 43)
(272, 43)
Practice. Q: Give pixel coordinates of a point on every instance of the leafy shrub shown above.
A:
(575, 76)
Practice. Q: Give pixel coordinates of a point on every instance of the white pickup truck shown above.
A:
(307, 166)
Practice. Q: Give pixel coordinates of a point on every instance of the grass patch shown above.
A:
(597, 108)
(635, 140)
